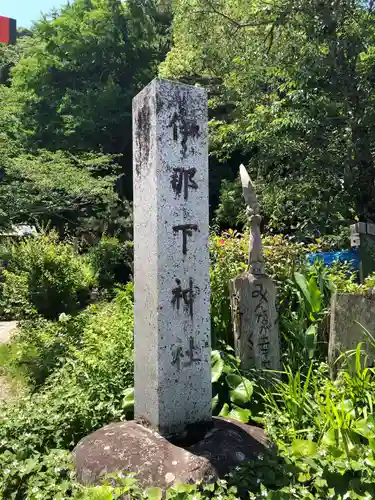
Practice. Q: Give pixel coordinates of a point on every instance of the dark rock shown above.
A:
(130, 447)
(229, 443)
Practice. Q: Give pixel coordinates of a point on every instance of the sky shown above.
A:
(27, 11)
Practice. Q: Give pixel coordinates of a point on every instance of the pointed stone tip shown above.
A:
(245, 178)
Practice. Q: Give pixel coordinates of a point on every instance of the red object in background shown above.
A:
(8, 30)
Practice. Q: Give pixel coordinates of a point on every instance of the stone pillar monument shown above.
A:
(171, 263)
(174, 437)
(253, 299)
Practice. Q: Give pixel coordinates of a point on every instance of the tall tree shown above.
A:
(295, 81)
(66, 106)
(81, 73)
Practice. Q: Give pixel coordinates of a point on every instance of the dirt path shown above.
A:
(6, 330)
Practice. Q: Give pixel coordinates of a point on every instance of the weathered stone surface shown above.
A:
(255, 321)
(366, 255)
(171, 264)
(362, 237)
(371, 229)
(129, 447)
(229, 443)
(348, 313)
(361, 227)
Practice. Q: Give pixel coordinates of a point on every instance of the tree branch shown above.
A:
(278, 18)
(233, 21)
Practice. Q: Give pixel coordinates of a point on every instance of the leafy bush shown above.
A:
(229, 256)
(42, 346)
(304, 291)
(117, 487)
(49, 275)
(112, 261)
(4, 255)
(325, 431)
(14, 296)
(87, 392)
(228, 259)
(303, 313)
(231, 391)
(81, 370)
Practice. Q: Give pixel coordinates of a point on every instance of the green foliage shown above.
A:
(231, 391)
(82, 64)
(83, 393)
(325, 431)
(60, 89)
(40, 346)
(39, 187)
(227, 260)
(14, 296)
(291, 96)
(291, 87)
(229, 256)
(231, 208)
(112, 261)
(41, 476)
(117, 487)
(48, 274)
(303, 313)
(304, 291)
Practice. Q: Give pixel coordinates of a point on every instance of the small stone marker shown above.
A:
(363, 238)
(350, 314)
(171, 262)
(253, 299)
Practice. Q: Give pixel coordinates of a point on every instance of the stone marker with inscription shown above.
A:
(174, 437)
(253, 299)
(171, 263)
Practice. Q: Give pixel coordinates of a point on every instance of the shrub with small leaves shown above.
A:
(48, 274)
(88, 391)
(112, 261)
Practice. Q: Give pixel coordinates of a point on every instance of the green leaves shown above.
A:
(217, 366)
(231, 391)
(304, 448)
(154, 493)
(241, 414)
(128, 402)
(365, 427)
(279, 95)
(61, 112)
(81, 65)
(56, 278)
(241, 389)
(311, 294)
(38, 187)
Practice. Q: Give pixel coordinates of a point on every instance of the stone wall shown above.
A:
(350, 314)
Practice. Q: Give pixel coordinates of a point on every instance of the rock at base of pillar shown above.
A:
(129, 447)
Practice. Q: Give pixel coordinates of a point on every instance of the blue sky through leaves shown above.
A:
(27, 11)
